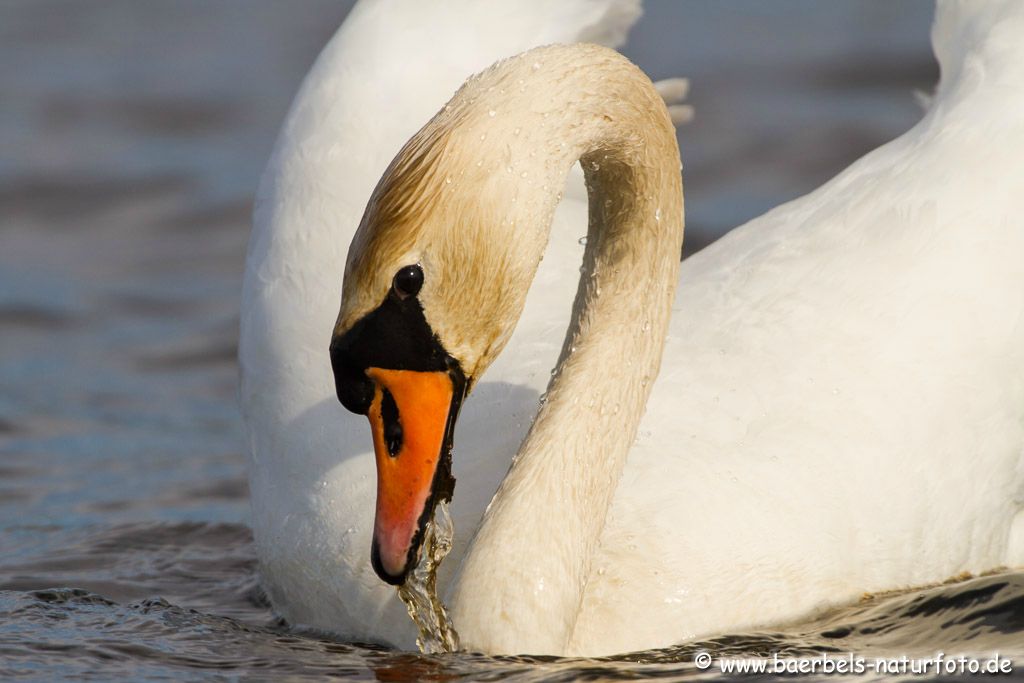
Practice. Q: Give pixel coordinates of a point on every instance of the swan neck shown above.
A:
(521, 584)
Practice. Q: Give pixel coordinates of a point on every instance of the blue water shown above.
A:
(132, 134)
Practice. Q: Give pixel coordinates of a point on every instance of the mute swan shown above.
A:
(840, 407)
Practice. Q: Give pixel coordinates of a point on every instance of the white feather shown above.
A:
(841, 404)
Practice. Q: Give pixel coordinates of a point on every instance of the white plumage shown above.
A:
(841, 402)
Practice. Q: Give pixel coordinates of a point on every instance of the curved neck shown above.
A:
(521, 583)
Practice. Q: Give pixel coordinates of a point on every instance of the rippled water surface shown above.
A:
(133, 134)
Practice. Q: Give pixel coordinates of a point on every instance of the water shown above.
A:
(132, 135)
(78, 633)
(437, 634)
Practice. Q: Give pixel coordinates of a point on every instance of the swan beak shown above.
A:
(411, 417)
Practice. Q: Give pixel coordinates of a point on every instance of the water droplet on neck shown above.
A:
(516, 131)
(536, 65)
(657, 215)
(491, 113)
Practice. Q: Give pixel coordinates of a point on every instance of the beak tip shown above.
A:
(385, 574)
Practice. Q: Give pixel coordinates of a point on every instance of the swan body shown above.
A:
(839, 409)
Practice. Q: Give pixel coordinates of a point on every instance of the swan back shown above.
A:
(984, 37)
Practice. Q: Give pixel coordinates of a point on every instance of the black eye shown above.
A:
(408, 281)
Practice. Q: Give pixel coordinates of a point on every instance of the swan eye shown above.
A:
(408, 281)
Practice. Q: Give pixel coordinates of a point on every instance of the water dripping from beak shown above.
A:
(419, 591)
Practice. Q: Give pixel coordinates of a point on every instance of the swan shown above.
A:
(840, 402)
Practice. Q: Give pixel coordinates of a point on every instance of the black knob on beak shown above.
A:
(355, 389)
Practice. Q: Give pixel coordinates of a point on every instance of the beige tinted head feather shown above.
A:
(471, 196)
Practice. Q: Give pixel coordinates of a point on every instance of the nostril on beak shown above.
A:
(392, 424)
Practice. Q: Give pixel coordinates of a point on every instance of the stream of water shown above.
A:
(419, 592)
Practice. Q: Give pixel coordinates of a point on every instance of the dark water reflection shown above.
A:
(133, 134)
(212, 620)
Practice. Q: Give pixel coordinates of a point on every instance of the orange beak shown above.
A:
(411, 417)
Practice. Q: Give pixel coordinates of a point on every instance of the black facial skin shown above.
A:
(396, 336)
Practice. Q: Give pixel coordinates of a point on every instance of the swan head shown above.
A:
(432, 290)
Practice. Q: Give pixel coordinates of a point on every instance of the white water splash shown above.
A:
(419, 592)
